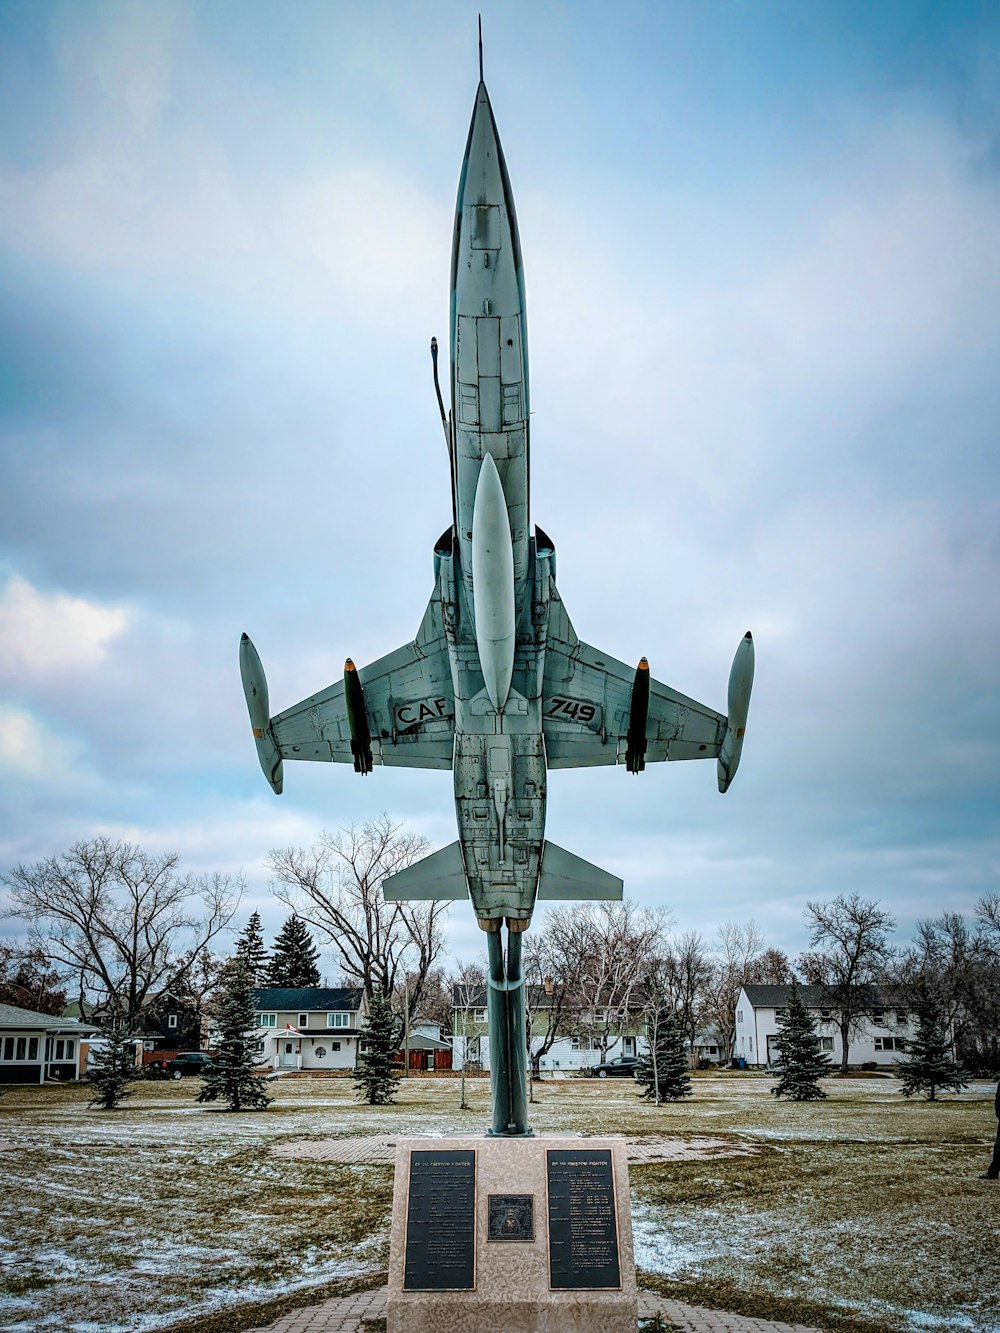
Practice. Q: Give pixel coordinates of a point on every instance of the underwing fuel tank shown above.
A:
(740, 684)
(258, 706)
(357, 720)
(493, 584)
(635, 740)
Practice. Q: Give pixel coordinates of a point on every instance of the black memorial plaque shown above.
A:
(441, 1221)
(583, 1221)
(512, 1217)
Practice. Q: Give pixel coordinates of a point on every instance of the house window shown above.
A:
(171, 1020)
(334, 1045)
(779, 1013)
(580, 1043)
(890, 1044)
(826, 1043)
(8, 1048)
(902, 1017)
(739, 1016)
(826, 1014)
(338, 1020)
(480, 1016)
(267, 1020)
(303, 1020)
(878, 1017)
(20, 1048)
(64, 1050)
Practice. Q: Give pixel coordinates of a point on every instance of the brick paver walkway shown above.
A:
(343, 1314)
(380, 1149)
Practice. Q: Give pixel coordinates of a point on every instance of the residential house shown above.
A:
(310, 1027)
(427, 1048)
(168, 1024)
(35, 1047)
(173, 1023)
(569, 1053)
(881, 1038)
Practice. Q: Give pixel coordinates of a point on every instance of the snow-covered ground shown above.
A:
(122, 1222)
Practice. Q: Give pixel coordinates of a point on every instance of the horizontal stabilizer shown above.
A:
(438, 876)
(566, 876)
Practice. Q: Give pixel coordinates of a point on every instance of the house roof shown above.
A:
(419, 1041)
(307, 999)
(462, 998)
(12, 1016)
(775, 997)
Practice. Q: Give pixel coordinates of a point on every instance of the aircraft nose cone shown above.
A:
(484, 171)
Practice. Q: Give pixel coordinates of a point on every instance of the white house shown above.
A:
(35, 1047)
(881, 1038)
(310, 1027)
(568, 1054)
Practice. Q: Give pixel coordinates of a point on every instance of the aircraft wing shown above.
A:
(409, 701)
(586, 701)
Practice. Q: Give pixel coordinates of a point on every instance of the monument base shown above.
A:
(531, 1235)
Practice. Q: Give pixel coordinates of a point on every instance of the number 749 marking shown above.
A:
(573, 710)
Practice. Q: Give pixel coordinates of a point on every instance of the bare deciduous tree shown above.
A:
(988, 916)
(739, 948)
(337, 888)
(545, 1000)
(772, 968)
(28, 979)
(600, 954)
(684, 974)
(957, 965)
(122, 923)
(467, 993)
(854, 952)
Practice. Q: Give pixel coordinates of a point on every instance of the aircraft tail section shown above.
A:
(565, 876)
(438, 876)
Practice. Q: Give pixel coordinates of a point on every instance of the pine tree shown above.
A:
(113, 1067)
(800, 1061)
(930, 1066)
(250, 947)
(294, 957)
(375, 1075)
(232, 1076)
(664, 1069)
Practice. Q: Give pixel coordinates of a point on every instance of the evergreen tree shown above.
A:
(664, 1070)
(375, 1075)
(232, 1076)
(800, 1061)
(250, 947)
(113, 1067)
(930, 1066)
(294, 957)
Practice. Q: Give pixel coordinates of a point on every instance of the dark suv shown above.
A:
(622, 1066)
(188, 1062)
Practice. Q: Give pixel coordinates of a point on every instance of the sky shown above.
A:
(763, 298)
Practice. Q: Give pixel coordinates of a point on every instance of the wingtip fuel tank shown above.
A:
(258, 706)
(740, 685)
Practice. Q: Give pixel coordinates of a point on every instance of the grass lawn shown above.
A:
(865, 1205)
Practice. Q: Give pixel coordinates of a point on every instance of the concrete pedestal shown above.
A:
(514, 1285)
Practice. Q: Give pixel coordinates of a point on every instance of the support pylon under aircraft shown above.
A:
(496, 685)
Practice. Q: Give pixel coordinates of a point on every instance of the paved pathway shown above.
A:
(343, 1314)
(380, 1149)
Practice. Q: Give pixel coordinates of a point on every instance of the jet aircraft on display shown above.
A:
(496, 685)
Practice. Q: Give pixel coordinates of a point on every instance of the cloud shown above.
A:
(54, 632)
(31, 752)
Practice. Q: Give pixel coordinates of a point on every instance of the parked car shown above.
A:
(188, 1062)
(622, 1066)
